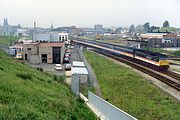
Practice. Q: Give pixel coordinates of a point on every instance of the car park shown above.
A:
(66, 60)
(68, 51)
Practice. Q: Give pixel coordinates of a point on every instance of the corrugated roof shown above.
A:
(79, 71)
(78, 64)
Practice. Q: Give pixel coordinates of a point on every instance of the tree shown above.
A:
(139, 29)
(166, 24)
(146, 27)
(132, 29)
(118, 30)
(154, 28)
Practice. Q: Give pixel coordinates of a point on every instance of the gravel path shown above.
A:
(75, 56)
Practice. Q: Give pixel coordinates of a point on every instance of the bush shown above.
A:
(40, 69)
(177, 53)
(1, 68)
(24, 76)
(59, 78)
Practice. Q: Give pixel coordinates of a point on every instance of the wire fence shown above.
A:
(91, 76)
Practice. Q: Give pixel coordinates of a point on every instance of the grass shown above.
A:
(27, 93)
(8, 40)
(131, 92)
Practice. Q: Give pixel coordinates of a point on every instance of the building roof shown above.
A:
(78, 64)
(54, 44)
(79, 71)
(18, 45)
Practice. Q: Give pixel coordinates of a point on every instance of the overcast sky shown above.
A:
(86, 13)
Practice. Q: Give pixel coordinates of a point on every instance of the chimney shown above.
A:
(34, 36)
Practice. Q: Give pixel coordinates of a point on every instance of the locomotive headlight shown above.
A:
(163, 62)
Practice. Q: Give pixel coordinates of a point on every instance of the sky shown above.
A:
(86, 13)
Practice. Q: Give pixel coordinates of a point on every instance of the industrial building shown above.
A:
(50, 37)
(37, 53)
(159, 39)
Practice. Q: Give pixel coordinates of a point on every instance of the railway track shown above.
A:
(148, 71)
(172, 74)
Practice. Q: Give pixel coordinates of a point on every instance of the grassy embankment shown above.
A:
(8, 40)
(131, 92)
(26, 93)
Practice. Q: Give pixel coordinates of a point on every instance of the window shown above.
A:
(29, 49)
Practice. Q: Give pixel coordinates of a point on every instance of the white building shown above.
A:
(22, 32)
(25, 40)
(51, 36)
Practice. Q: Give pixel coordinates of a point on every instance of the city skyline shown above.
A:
(84, 13)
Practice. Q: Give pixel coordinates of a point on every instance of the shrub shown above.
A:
(24, 76)
(40, 69)
(59, 78)
(1, 68)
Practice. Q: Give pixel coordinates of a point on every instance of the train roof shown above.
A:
(131, 48)
(152, 53)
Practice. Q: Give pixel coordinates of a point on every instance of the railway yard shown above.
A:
(166, 80)
(169, 77)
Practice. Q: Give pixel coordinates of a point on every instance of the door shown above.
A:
(25, 56)
(56, 55)
(44, 58)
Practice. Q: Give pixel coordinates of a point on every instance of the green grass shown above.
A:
(8, 40)
(131, 92)
(27, 93)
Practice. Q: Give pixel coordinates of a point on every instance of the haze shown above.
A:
(86, 13)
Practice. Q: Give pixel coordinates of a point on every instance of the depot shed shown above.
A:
(79, 76)
(78, 64)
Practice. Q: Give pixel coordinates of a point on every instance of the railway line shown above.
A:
(168, 77)
(143, 69)
(172, 74)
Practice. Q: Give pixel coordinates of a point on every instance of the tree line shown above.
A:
(147, 28)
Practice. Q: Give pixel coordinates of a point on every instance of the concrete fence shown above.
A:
(110, 111)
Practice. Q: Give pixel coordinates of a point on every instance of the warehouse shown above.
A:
(37, 53)
(51, 37)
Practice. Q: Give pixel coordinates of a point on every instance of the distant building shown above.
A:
(157, 35)
(25, 40)
(98, 27)
(6, 26)
(51, 37)
(52, 26)
(160, 39)
(37, 53)
(14, 29)
(70, 30)
(22, 32)
(1, 31)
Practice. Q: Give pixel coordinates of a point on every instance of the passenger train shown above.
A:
(147, 58)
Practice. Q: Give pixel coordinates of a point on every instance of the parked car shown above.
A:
(66, 60)
(68, 51)
(67, 67)
(72, 47)
(67, 55)
(58, 67)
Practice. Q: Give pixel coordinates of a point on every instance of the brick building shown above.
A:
(44, 52)
(160, 39)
